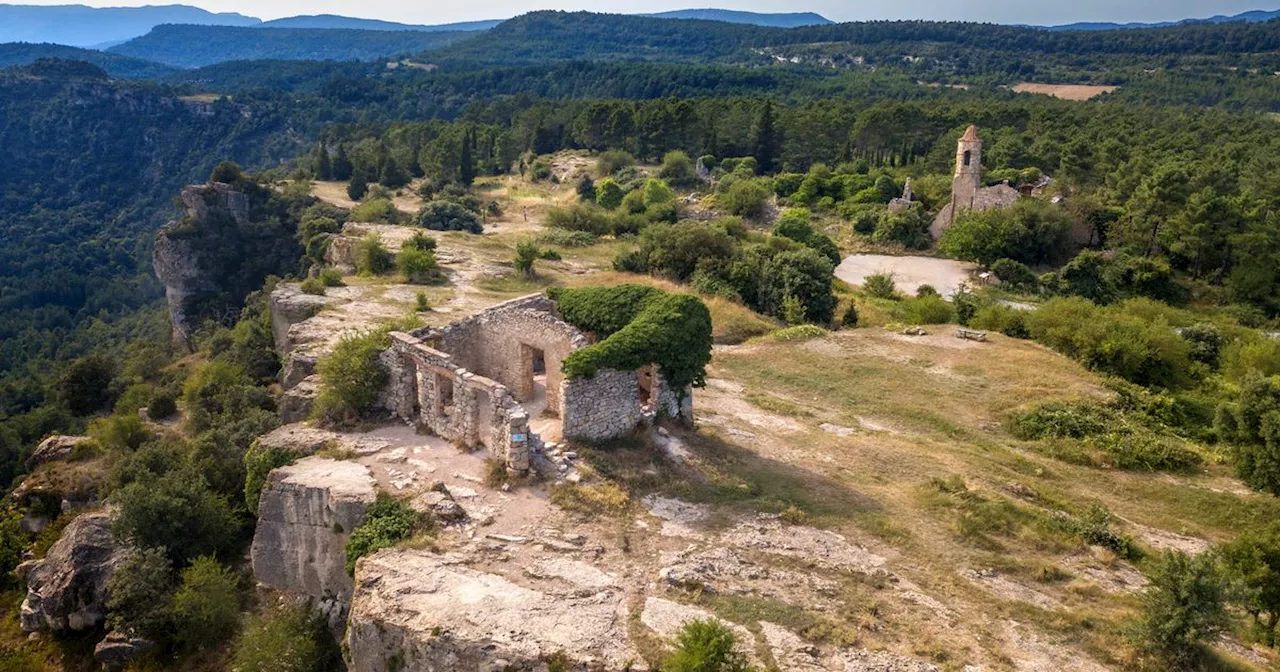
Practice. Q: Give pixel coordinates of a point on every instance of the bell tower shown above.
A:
(968, 177)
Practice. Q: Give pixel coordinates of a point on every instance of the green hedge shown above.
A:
(638, 325)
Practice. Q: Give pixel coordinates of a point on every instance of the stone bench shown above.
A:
(972, 335)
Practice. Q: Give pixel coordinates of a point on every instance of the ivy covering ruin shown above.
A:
(637, 325)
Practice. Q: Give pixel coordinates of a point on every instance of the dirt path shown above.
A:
(945, 275)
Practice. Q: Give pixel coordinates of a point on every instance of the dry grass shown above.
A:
(1064, 91)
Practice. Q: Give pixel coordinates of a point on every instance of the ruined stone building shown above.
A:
(494, 381)
(967, 192)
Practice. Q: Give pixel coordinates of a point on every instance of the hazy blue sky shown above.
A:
(999, 11)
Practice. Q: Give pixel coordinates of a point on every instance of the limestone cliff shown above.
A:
(181, 260)
(306, 513)
(230, 238)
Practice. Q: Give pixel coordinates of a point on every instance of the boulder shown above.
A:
(67, 590)
(116, 650)
(297, 368)
(305, 516)
(417, 610)
(56, 448)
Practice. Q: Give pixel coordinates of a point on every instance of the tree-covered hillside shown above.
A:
(187, 46)
(92, 167)
(123, 67)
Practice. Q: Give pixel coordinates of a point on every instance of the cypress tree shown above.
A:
(467, 164)
(766, 140)
(341, 169)
(324, 167)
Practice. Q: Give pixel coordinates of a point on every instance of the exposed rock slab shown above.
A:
(67, 590)
(414, 610)
(769, 534)
(55, 448)
(305, 516)
(296, 404)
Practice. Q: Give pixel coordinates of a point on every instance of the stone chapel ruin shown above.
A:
(494, 380)
(967, 192)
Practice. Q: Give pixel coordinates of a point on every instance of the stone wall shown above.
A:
(498, 343)
(305, 516)
(429, 389)
(613, 403)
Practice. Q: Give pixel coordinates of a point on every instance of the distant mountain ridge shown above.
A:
(81, 26)
(336, 21)
(1256, 16)
(779, 20)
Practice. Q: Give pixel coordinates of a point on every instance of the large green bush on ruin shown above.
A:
(638, 325)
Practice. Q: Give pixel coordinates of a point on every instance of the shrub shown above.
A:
(387, 523)
(803, 332)
(85, 386)
(746, 198)
(675, 250)
(121, 433)
(331, 277)
(290, 639)
(375, 210)
(420, 302)
(206, 608)
(637, 326)
(565, 238)
(372, 257)
(421, 241)
(448, 216)
(633, 203)
(1252, 423)
(1015, 274)
(527, 253)
(803, 274)
(313, 286)
(258, 462)
(1182, 608)
(850, 316)
(177, 511)
(1061, 420)
(795, 224)
(609, 194)
(1206, 343)
(926, 290)
(706, 646)
(351, 377)
(678, 169)
(580, 218)
(1252, 355)
(1113, 341)
(163, 405)
(219, 390)
(1252, 560)
(139, 595)
(586, 189)
(925, 310)
(880, 285)
(1004, 319)
(357, 187)
(1031, 231)
(417, 266)
(909, 229)
(613, 160)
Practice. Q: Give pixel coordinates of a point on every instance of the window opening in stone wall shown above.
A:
(644, 388)
(444, 394)
(968, 158)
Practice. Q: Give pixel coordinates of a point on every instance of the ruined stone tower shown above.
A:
(968, 177)
(967, 192)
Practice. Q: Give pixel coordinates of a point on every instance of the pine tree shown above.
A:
(342, 168)
(324, 167)
(358, 187)
(467, 164)
(767, 140)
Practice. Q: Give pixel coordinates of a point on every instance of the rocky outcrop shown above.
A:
(182, 260)
(416, 610)
(116, 650)
(67, 590)
(305, 516)
(57, 448)
(297, 402)
(290, 306)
